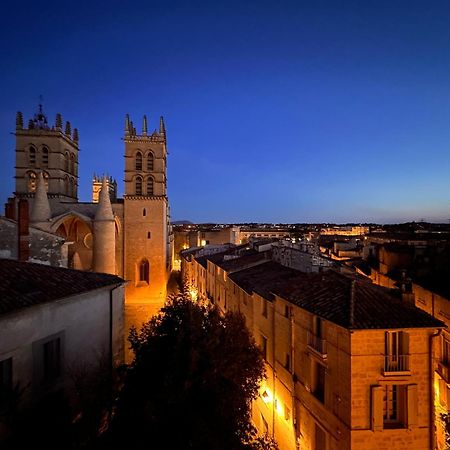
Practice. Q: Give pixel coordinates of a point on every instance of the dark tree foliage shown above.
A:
(191, 383)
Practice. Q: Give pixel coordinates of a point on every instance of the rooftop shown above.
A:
(361, 305)
(24, 284)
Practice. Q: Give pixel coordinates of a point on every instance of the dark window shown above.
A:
(287, 363)
(5, 383)
(394, 400)
(264, 307)
(45, 157)
(138, 186)
(150, 161)
(138, 161)
(144, 271)
(32, 156)
(149, 186)
(149, 235)
(52, 360)
(144, 212)
(286, 311)
(264, 347)
(319, 381)
(66, 162)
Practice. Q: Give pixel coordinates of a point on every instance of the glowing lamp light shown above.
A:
(194, 294)
(267, 396)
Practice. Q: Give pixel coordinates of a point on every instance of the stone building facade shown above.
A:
(348, 363)
(129, 236)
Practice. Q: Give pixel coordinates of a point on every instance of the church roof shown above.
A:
(24, 284)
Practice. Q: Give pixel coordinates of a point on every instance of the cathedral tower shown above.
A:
(145, 215)
(50, 149)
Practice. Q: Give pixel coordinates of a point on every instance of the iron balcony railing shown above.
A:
(317, 344)
(396, 363)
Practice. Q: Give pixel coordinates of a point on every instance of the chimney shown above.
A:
(10, 209)
(406, 290)
(24, 231)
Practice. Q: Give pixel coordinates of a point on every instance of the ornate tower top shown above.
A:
(155, 136)
(104, 208)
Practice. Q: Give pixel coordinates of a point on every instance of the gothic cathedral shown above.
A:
(129, 236)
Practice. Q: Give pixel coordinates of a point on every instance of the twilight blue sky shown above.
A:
(281, 111)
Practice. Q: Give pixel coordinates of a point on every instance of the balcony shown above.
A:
(317, 344)
(396, 365)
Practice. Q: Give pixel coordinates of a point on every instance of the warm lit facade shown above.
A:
(129, 237)
(348, 364)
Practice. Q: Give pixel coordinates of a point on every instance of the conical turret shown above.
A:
(104, 234)
(41, 212)
(127, 124)
(104, 208)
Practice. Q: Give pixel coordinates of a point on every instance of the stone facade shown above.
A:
(130, 237)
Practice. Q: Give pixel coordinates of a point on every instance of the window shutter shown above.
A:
(377, 408)
(412, 405)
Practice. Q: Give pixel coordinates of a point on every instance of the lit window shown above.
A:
(46, 177)
(31, 182)
(138, 161)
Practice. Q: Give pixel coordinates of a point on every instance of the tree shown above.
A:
(191, 383)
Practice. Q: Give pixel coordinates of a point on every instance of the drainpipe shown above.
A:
(431, 376)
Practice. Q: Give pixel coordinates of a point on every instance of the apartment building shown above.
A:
(348, 363)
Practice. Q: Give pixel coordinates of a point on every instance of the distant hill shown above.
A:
(181, 222)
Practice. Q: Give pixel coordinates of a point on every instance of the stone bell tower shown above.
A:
(147, 265)
(48, 149)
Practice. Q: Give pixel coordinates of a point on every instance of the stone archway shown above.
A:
(78, 235)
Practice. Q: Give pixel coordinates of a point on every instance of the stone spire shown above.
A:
(144, 126)
(41, 208)
(104, 208)
(162, 127)
(58, 122)
(75, 134)
(19, 121)
(68, 130)
(127, 124)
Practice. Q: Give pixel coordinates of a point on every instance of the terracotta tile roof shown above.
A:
(251, 257)
(329, 295)
(25, 284)
(263, 278)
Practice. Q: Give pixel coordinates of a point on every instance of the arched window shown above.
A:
(32, 156)
(144, 212)
(31, 182)
(149, 186)
(144, 270)
(67, 162)
(44, 157)
(66, 185)
(71, 187)
(46, 177)
(72, 163)
(74, 187)
(150, 161)
(138, 185)
(138, 161)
